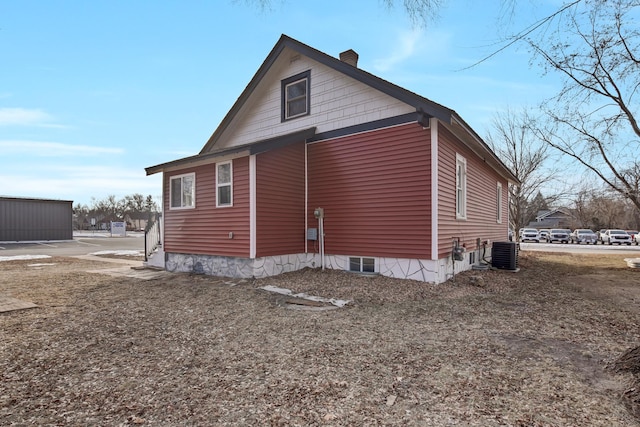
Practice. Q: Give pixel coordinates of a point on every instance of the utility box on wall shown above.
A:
(504, 255)
(312, 234)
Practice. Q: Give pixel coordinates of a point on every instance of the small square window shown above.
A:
(368, 265)
(362, 265)
(295, 96)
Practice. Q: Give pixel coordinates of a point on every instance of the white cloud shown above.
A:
(53, 149)
(24, 117)
(404, 49)
(80, 183)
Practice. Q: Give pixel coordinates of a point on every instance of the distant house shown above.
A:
(26, 219)
(322, 164)
(555, 218)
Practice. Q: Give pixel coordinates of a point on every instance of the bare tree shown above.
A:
(513, 139)
(419, 11)
(593, 118)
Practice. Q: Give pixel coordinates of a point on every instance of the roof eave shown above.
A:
(501, 167)
(256, 147)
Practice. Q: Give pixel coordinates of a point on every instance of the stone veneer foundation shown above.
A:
(422, 270)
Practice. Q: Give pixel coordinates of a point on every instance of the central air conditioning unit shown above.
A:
(504, 255)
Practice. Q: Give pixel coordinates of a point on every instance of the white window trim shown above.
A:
(288, 100)
(461, 208)
(305, 77)
(361, 259)
(229, 184)
(499, 203)
(193, 194)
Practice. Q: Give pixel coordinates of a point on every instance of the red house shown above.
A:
(405, 188)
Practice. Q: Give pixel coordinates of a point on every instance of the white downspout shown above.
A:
(321, 236)
(306, 199)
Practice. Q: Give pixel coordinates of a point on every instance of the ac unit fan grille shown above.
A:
(504, 255)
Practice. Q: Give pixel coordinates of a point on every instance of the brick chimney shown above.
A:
(350, 57)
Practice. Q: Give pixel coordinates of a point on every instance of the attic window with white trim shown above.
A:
(295, 96)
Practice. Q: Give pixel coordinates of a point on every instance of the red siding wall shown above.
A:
(280, 206)
(205, 229)
(481, 198)
(375, 190)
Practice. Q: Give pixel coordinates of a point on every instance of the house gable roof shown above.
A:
(424, 107)
(552, 213)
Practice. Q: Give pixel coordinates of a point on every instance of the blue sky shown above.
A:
(92, 92)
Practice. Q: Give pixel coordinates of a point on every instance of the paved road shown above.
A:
(81, 244)
(87, 243)
(582, 249)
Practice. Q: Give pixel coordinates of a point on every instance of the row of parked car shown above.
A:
(579, 235)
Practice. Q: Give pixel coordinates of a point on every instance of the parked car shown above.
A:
(583, 235)
(616, 236)
(544, 234)
(600, 235)
(558, 235)
(529, 234)
(633, 234)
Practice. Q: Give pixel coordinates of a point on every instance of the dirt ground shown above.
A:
(492, 348)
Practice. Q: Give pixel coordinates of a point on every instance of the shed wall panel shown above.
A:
(280, 197)
(375, 190)
(481, 222)
(205, 229)
(35, 219)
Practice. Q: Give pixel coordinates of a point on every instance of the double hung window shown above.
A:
(224, 184)
(499, 203)
(183, 191)
(295, 96)
(461, 187)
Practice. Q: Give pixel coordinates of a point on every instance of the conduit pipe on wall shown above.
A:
(319, 213)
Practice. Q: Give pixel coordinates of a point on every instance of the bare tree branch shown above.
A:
(514, 140)
(523, 34)
(593, 117)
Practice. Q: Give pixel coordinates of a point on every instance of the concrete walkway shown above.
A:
(127, 271)
(124, 268)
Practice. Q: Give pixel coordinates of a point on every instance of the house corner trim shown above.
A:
(434, 188)
(252, 206)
